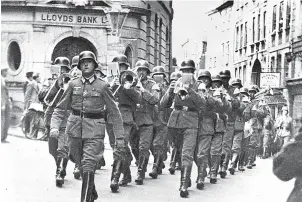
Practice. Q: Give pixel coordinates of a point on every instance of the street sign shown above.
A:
(270, 79)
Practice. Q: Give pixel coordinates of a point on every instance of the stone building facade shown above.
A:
(35, 32)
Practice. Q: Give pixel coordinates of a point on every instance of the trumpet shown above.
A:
(127, 76)
(54, 95)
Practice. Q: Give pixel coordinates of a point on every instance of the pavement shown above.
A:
(28, 175)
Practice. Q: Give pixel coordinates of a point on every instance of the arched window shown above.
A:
(14, 56)
(129, 55)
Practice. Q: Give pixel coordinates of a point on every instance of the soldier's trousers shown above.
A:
(134, 142)
(237, 142)
(176, 140)
(216, 144)
(145, 133)
(86, 152)
(58, 147)
(189, 136)
(227, 141)
(109, 129)
(202, 150)
(159, 144)
(243, 152)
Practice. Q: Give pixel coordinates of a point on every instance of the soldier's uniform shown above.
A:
(159, 143)
(284, 125)
(184, 122)
(87, 99)
(267, 131)
(144, 117)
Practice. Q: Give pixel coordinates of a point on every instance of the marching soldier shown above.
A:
(127, 97)
(255, 112)
(75, 72)
(229, 134)
(159, 144)
(58, 147)
(184, 118)
(87, 98)
(238, 125)
(267, 132)
(175, 140)
(144, 116)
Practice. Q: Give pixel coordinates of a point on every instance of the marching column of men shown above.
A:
(208, 120)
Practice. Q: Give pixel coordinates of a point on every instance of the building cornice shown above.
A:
(223, 6)
(293, 82)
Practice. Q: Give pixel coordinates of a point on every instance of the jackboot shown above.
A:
(160, 167)
(233, 164)
(136, 155)
(59, 179)
(76, 172)
(115, 176)
(201, 175)
(241, 161)
(88, 193)
(224, 166)
(178, 160)
(173, 161)
(63, 169)
(250, 158)
(141, 170)
(156, 165)
(265, 153)
(126, 175)
(213, 169)
(184, 178)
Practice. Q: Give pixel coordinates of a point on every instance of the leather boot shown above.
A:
(224, 166)
(63, 169)
(233, 164)
(59, 179)
(184, 178)
(178, 160)
(115, 176)
(173, 161)
(126, 175)
(250, 158)
(88, 193)
(141, 170)
(265, 153)
(160, 167)
(76, 172)
(136, 155)
(157, 161)
(241, 161)
(254, 158)
(213, 169)
(201, 175)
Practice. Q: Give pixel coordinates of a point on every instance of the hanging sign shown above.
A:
(270, 79)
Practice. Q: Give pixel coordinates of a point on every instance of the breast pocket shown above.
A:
(99, 128)
(77, 95)
(96, 97)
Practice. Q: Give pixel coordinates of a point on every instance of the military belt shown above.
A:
(88, 115)
(185, 109)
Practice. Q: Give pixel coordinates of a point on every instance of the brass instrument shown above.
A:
(127, 76)
(53, 95)
(260, 95)
(183, 83)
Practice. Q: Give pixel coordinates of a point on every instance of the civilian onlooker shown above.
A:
(287, 165)
(32, 90)
(29, 76)
(5, 104)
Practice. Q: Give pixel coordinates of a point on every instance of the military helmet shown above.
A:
(175, 76)
(244, 91)
(63, 62)
(216, 78)
(143, 64)
(75, 61)
(121, 59)
(203, 73)
(158, 70)
(100, 69)
(187, 64)
(87, 55)
(236, 81)
(225, 74)
(254, 88)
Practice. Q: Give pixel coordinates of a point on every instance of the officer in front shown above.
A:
(87, 98)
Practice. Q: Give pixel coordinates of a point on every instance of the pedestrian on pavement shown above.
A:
(287, 165)
(29, 77)
(187, 103)
(144, 115)
(87, 98)
(5, 104)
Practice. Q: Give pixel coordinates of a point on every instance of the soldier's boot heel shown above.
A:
(156, 165)
(184, 179)
(200, 182)
(140, 177)
(233, 164)
(172, 168)
(126, 176)
(116, 173)
(213, 170)
(59, 179)
(141, 171)
(76, 172)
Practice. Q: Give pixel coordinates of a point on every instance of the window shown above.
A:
(14, 56)
(274, 17)
(228, 51)
(272, 64)
(278, 69)
(160, 41)
(222, 45)
(286, 66)
(241, 35)
(281, 15)
(244, 75)
(245, 34)
(239, 76)
(288, 14)
(258, 38)
(129, 55)
(235, 72)
(253, 29)
(264, 24)
(237, 35)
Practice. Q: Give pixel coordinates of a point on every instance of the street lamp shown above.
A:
(116, 16)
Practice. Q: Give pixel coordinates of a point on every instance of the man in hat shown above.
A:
(58, 147)
(144, 115)
(29, 77)
(184, 118)
(5, 104)
(87, 98)
(284, 125)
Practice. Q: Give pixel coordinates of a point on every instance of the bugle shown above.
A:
(54, 95)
